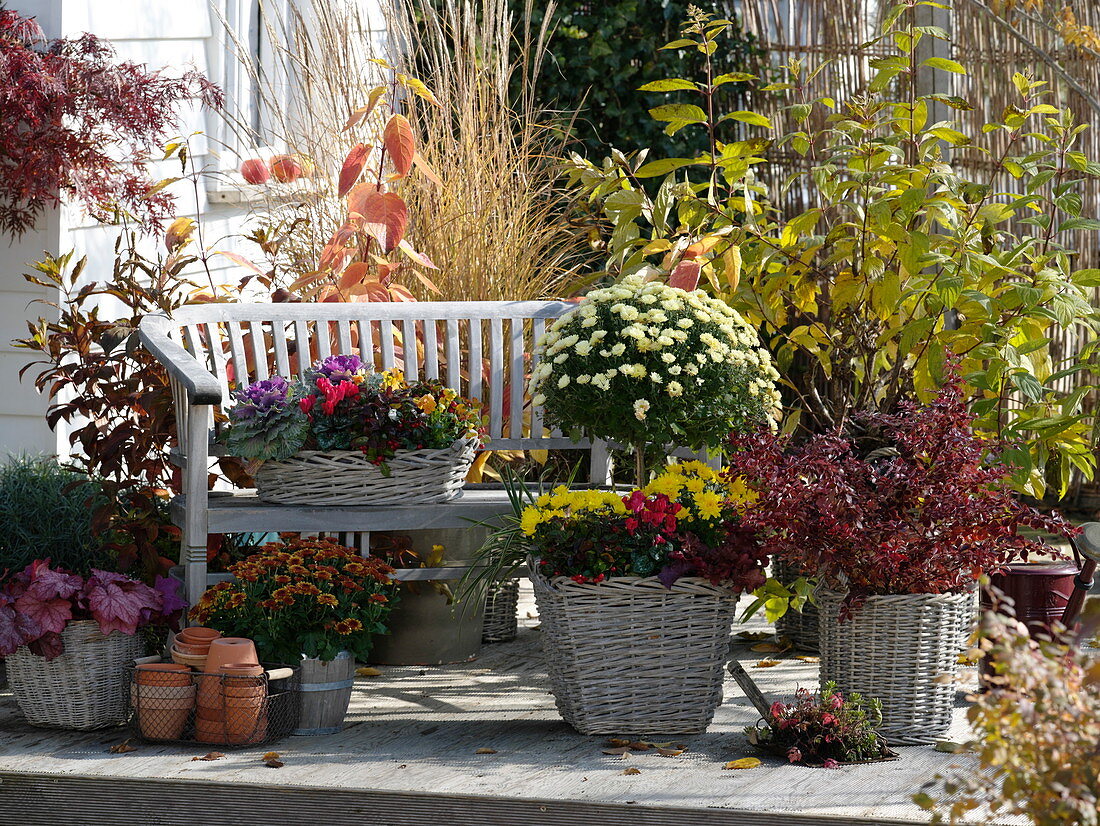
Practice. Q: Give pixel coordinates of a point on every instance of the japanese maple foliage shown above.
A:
(77, 123)
(926, 511)
(37, 603)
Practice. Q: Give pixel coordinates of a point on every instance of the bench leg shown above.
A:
(196, 520)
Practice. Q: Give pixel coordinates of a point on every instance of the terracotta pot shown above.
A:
(217, 733)
(210, 715)
(200, 650)
(162, 674)
(209, 690)
(242, 669)
(163, 719)
(238, 688)
(230, 651)
(198, 635)
(190, 660)
(140, 693)
(242, 715)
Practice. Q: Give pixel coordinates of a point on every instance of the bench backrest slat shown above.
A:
(485, 350)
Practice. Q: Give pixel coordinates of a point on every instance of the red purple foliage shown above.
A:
(37, 603)
(77, 123)
(927, 512)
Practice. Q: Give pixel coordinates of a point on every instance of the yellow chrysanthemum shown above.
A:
(708, 505)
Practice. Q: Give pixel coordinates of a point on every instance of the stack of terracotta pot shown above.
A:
(163, 697)
(232, 694)
(192, 645)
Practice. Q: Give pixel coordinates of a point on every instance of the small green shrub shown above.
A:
(46, 511)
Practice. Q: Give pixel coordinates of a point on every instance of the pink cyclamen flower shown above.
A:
(794, 754)
(830, 763)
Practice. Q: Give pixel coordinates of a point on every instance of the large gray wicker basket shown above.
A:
(85, 688)
(630, 656)
(348, 477)
(894, 648)
(800, 627)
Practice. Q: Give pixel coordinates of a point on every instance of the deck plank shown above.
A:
(415, 731)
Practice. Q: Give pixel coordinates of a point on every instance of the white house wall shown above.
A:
(170, 34)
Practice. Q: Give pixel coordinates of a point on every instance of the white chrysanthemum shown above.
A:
(675, 389)
(618, 349)
(583, 348)
(656, 378)
(641, 407)
(563, 381)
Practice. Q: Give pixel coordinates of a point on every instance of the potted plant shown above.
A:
(649, 365)
(636, 594)
(308, 602)
(898, 528)
(343, 434)
(68, 640)
(823, 728)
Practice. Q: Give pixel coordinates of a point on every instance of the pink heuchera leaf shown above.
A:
(116, 602)
(46, 583)
(49, 614)
(15, 629)
(49, 645)
(685, 275)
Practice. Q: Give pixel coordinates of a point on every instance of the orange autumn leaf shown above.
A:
(353, 167)
(400, 143)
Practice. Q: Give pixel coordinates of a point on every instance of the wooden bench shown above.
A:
(482, 349)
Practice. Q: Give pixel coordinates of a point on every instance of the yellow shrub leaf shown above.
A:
(743, 763)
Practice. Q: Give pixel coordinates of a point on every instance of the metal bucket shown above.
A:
(1039, 591)
(325, 689)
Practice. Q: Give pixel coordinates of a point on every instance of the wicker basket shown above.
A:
(85, 688)
(894, 648)
(348, 477)
(630, 656)
(800, 627)
(501, 603)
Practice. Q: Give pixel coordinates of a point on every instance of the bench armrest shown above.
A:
(202, 386)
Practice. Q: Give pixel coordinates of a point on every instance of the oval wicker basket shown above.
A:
(348, 477)
(501, 602)
(630, 656)
(894, 648)
(85, 688)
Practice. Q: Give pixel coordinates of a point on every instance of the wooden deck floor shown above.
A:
(409, 752)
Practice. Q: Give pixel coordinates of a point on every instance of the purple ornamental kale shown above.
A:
(261, 398)
(337, 368)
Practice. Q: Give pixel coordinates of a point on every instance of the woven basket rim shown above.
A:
(458, 447)
(825, 592)
(684, 583)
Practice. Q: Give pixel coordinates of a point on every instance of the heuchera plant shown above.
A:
(37, 603)
(343, 405)
(78, 123)
(822, 728)
(926, 510)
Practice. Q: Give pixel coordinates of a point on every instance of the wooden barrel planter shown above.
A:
(325, 689)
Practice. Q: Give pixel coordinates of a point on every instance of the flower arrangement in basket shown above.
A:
(68, 640)
(307, 597)
(823, 728)
(898, 528)
(345, 435)
(649, 365)
(639, 583)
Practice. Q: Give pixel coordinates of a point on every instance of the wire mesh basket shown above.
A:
(173, 706)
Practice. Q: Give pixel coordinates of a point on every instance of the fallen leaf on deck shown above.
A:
(754, 635)
(486, 751)
(669, 752)
(274, 764)
(367, 671)
(122, 748)
(808, 659)
(214, 755)
(619, 752)
(271, 755)
(617, 742)
(768, 648)
(743, 763)
(767, 663)
(640, 745)
(948, 747)
(631, 770)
